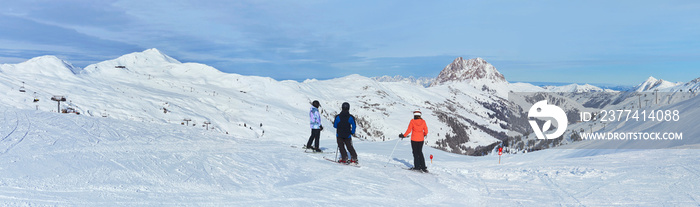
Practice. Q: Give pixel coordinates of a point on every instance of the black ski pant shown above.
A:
(346, 142)
(418, 159)
(315, 136)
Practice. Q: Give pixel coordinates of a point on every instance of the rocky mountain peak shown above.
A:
(469, 70)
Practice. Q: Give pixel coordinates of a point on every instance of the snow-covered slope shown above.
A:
(49, 159)
(576, 88)
(150, 86)
(423, 81)
(690, 88)
(654, 84)
(467, 108)
(130, 147)
(50, 66)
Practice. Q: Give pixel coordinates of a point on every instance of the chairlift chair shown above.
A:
(21, 89)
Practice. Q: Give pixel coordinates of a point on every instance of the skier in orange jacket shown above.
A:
(418, 130)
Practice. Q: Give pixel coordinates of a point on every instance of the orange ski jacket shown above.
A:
(418, 130)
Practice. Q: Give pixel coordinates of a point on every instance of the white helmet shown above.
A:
(416, 113)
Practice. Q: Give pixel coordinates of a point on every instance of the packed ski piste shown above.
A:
(158, 132)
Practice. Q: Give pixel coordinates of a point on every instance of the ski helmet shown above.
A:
(346, 106)
(316, 104)
(416, 113)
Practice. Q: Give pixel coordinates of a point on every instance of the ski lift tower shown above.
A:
(207, 123)
(656, 91)
(188, 121)
(58, 99)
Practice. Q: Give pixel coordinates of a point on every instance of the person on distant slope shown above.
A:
(345, 125)
(316, 127)
(418, 130)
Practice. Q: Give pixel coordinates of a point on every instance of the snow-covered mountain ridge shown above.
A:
(423, 81)
(130, 145)
(576, 88)
(654, 84)
(467, 111)
(47, 65)
(150, 86)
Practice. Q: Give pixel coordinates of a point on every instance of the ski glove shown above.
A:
(321, 127)
(401, 136)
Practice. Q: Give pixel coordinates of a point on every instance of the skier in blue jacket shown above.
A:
(316, 127)
(345, 125)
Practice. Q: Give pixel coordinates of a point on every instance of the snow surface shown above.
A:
(576, 88)
(129, 146)
(59, 159)
(150, 86)
(422, 81)
(654, 84)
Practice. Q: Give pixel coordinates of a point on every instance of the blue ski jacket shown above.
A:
(345, 125)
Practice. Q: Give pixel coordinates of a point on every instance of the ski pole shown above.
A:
(336, 153)
(392, 152)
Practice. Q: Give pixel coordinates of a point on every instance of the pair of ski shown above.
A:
(418, 171)
(311, 151)
(356, 165)
(335, 161)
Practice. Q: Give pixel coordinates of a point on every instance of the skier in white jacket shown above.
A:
(316, 127)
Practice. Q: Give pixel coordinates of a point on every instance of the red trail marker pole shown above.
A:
(500, 152)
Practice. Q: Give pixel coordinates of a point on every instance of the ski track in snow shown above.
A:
(56, 159)
(10, 141)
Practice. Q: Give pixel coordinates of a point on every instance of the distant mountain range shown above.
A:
(650, 84)
(467, 106)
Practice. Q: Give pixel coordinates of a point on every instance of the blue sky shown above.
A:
(619, 42)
